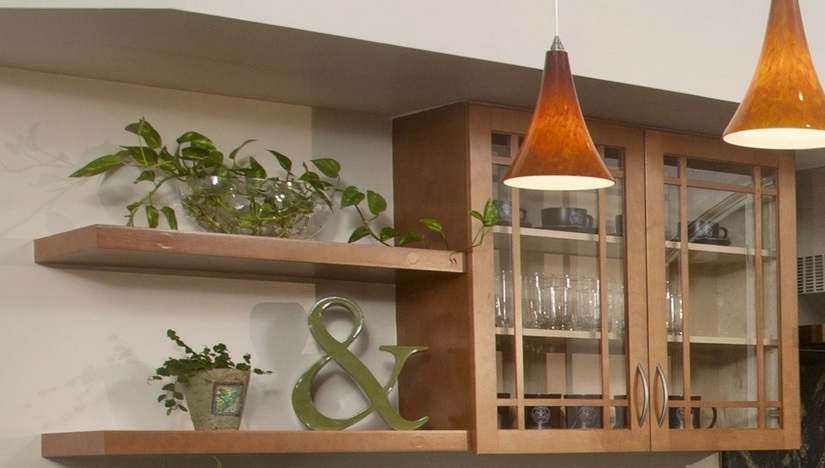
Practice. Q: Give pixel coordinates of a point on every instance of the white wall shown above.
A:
(82, 343)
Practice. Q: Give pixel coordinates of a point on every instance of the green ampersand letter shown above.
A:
(377, 394)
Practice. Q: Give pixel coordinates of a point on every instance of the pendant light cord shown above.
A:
(556, 40)
(557, 17)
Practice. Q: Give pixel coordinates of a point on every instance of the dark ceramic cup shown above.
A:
(700, 229)
(542, 417)
(505, 211)
(676, 416)
(566, 216)
(584, 417)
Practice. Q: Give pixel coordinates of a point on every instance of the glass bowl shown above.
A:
(258, 207)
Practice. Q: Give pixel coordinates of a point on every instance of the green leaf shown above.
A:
(359, 233)
(152, 216)
(255, 169)
(133, 207)
(145, 130)
(171, 219)
(475, 214)
(147, 175)
(161, 398)
(490, 214)
(193, 153)
(195, 139)
(235, 151)
(376, 202)
(170, 387)
(351, 196)
(387, 233)
(409, 238)
(100, 165)
(311, 178)
(432, 224)
(146, 157)
(328, 166)
(283, 160)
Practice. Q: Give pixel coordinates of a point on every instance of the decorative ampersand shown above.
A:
(377, 394)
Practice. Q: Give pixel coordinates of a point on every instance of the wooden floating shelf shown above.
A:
(115, 443)
(120, 248)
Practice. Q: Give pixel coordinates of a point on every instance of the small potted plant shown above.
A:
(211, 384)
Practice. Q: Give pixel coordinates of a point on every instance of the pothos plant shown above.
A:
(195, 157)
(179, 370)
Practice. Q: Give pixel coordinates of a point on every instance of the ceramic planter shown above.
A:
(215, 398)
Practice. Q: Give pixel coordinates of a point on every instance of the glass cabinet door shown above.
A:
(716, 300)
(561, 318)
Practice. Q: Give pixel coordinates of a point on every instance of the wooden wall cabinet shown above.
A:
(610, 317)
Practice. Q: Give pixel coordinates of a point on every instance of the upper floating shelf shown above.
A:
(224, 255)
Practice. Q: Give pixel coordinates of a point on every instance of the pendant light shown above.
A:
(784, 107)
(558, 153)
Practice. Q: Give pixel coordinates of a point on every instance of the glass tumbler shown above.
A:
(504, 298)
(615, 306)
(588, 307)
(532, 299)
(558, 303)
(674, 313)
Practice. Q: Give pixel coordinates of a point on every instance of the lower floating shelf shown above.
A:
(116, 443)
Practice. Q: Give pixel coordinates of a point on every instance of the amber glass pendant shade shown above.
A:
(784, 107)
(558, 153)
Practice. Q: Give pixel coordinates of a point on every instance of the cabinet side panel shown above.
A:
(430, 180)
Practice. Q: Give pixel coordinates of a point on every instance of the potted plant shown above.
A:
(211, 384)
(225, 193)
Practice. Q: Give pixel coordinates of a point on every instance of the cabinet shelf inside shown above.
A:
(550, 241)
(562, 334)
(721, 340)
(116, 443)
(103, 247)
(703, 253)
(673, 339)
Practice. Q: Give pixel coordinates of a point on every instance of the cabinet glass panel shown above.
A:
(721, 310)
(569, 326)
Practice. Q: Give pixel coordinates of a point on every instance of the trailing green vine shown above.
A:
(195, 158)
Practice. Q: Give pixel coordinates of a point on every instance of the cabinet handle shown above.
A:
(646, 391)
(663, 412)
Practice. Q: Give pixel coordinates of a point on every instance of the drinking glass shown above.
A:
(674, 313)
(615, 306)
(557, 295)
(587, 304)
(504, 298)
(533, 308)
